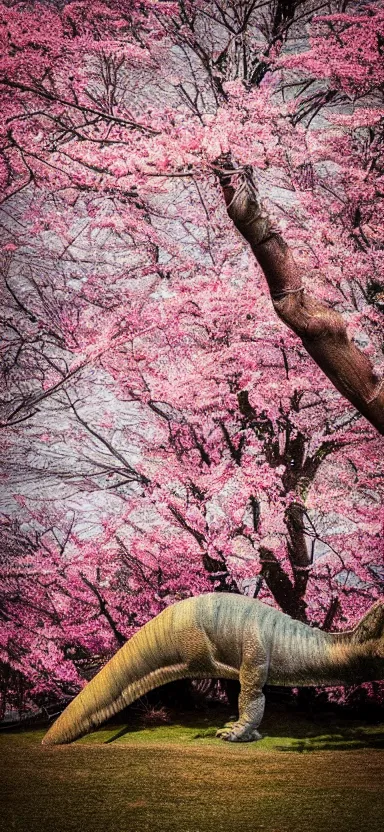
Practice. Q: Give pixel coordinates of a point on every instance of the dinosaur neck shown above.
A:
(351, 662)
(302, 655)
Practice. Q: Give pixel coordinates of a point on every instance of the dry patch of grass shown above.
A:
(179, 777)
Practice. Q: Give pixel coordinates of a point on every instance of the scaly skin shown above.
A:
(221, 635)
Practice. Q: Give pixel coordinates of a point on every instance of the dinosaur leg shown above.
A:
(251, 705)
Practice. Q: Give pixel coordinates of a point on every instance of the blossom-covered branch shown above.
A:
(322, 330)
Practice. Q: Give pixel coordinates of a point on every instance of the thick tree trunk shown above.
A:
(322, 331)
(298, 556)
(290, 595)
(280, 585)
(300, 468)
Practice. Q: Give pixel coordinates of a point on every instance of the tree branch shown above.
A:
(120, 638)
(321, 329)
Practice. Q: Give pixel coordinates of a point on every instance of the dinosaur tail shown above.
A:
(149, 659)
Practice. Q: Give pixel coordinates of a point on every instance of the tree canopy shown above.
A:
(163, 432)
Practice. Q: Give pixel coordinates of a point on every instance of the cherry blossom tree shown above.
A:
(163, 432)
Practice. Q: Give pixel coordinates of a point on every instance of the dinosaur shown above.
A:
(223, 635)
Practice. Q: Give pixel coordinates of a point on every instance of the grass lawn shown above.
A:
(303, 775)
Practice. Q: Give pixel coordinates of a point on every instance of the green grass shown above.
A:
(282, 730)
(177, 776)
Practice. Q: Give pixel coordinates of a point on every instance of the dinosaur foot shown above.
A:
(235, 732)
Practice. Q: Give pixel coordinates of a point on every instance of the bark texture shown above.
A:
(321, 329)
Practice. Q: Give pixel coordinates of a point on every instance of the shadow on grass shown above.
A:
(126, 729)
(282, 729)
(350, 739)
